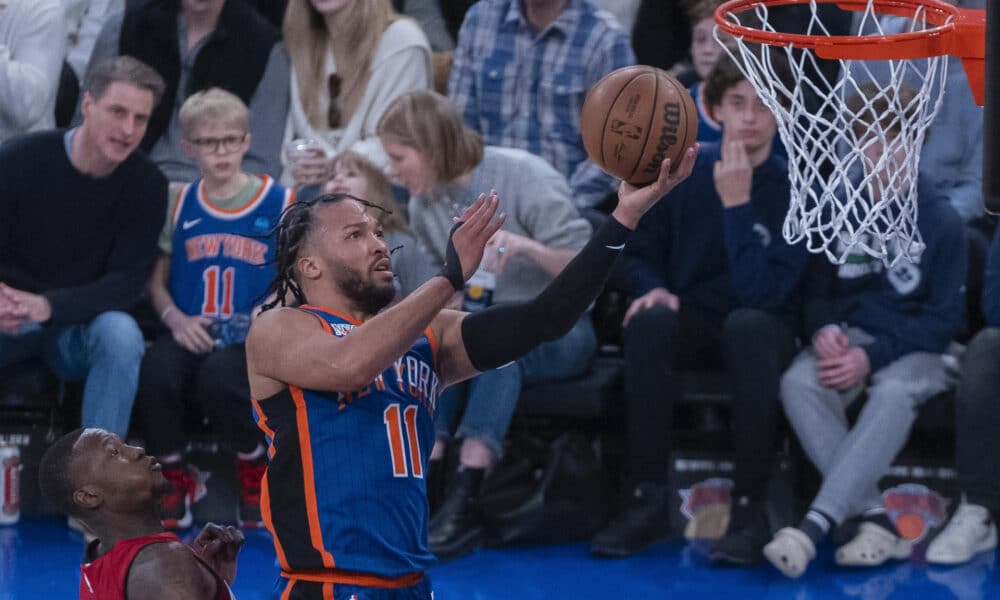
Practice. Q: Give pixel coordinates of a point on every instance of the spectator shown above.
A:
(712, 280)
(99, 205)
(350, 60)
(411, 261)
(84, 20)
(32, 46)
(443, 164)
(897, 322)
(196, 45)
(705, 53)
(952, 159)
(214, 266)
(521, 73)
(972, 528)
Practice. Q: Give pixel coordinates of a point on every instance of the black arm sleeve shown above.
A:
(505, 332)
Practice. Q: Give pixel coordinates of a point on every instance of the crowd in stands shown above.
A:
(197, 122)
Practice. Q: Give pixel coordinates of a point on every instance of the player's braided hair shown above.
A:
(294, 226)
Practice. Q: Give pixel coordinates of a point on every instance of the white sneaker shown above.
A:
(970, 531)
(872, 546)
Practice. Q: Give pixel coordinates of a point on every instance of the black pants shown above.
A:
(752, 345)
(977, 420)
(171, 379)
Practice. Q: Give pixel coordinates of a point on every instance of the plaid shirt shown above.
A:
(525, 90)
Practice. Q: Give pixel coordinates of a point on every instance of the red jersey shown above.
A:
(105, 578)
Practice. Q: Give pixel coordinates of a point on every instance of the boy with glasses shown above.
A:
(214, 268)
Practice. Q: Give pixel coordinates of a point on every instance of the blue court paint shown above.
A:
(39, 559)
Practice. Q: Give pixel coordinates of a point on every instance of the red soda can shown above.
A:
(10, 485)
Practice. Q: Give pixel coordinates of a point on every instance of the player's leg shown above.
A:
(757, 347)
(165, 379)
(223, 391)
(971, 529)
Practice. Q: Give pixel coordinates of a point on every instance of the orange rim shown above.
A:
(964, 35)
(954, 31)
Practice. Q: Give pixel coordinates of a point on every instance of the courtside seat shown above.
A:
(585, 397)
(28, 389)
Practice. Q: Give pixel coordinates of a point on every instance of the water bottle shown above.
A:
(479, 288)
(10, 484)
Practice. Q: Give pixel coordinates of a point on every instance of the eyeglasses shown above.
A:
(229, 143)
(333, 113)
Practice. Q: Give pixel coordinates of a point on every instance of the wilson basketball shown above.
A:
(635, 117)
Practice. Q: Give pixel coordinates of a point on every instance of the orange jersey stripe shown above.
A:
(305, 448)
(326, 309)
(434, 345)
(351, 578)
(262, 425)
(288, 590)
(177, 205)
(232, 212)
(265, 513)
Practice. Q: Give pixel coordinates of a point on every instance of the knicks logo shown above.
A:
(706, 507)
(915, 509)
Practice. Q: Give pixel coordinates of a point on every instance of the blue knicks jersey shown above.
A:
(221, 260)
(344, 486)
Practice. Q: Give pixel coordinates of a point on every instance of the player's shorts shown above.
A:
(301, 589)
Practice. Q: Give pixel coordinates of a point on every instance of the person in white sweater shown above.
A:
(350, 60)
(32, 47)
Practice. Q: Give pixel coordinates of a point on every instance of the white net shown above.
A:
(853, 140)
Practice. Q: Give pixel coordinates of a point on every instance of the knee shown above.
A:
(116, 334)
(985, 344)
(895, 396)
(651, 326)
(798, 378)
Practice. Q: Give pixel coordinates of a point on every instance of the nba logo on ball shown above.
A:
(636, 117)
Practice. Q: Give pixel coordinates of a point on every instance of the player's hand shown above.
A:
(633, 202)
(733, 174)
(28, 306)
(312, 168)
(478, 226)
(843, 372)
(504, 245)
(219, 546)
(830, 342)
(190, 332)
(654, 297)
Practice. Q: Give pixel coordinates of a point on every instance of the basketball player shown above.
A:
(115, 489)
(346, 393)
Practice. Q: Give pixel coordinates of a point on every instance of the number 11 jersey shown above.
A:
(344, 487)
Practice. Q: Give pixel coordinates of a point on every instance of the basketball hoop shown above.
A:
(844, 199)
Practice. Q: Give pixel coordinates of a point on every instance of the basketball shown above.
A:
(635, 117)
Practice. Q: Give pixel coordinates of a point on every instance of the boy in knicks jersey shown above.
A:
(114, 489)
(213, 270)
(345, 391)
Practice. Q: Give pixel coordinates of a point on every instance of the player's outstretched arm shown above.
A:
(476, 342)
(288, 346)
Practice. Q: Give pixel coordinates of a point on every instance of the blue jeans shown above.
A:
(106, 352)
(491, 397)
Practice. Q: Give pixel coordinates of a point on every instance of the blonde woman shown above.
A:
(443, 163)
(350, 60)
